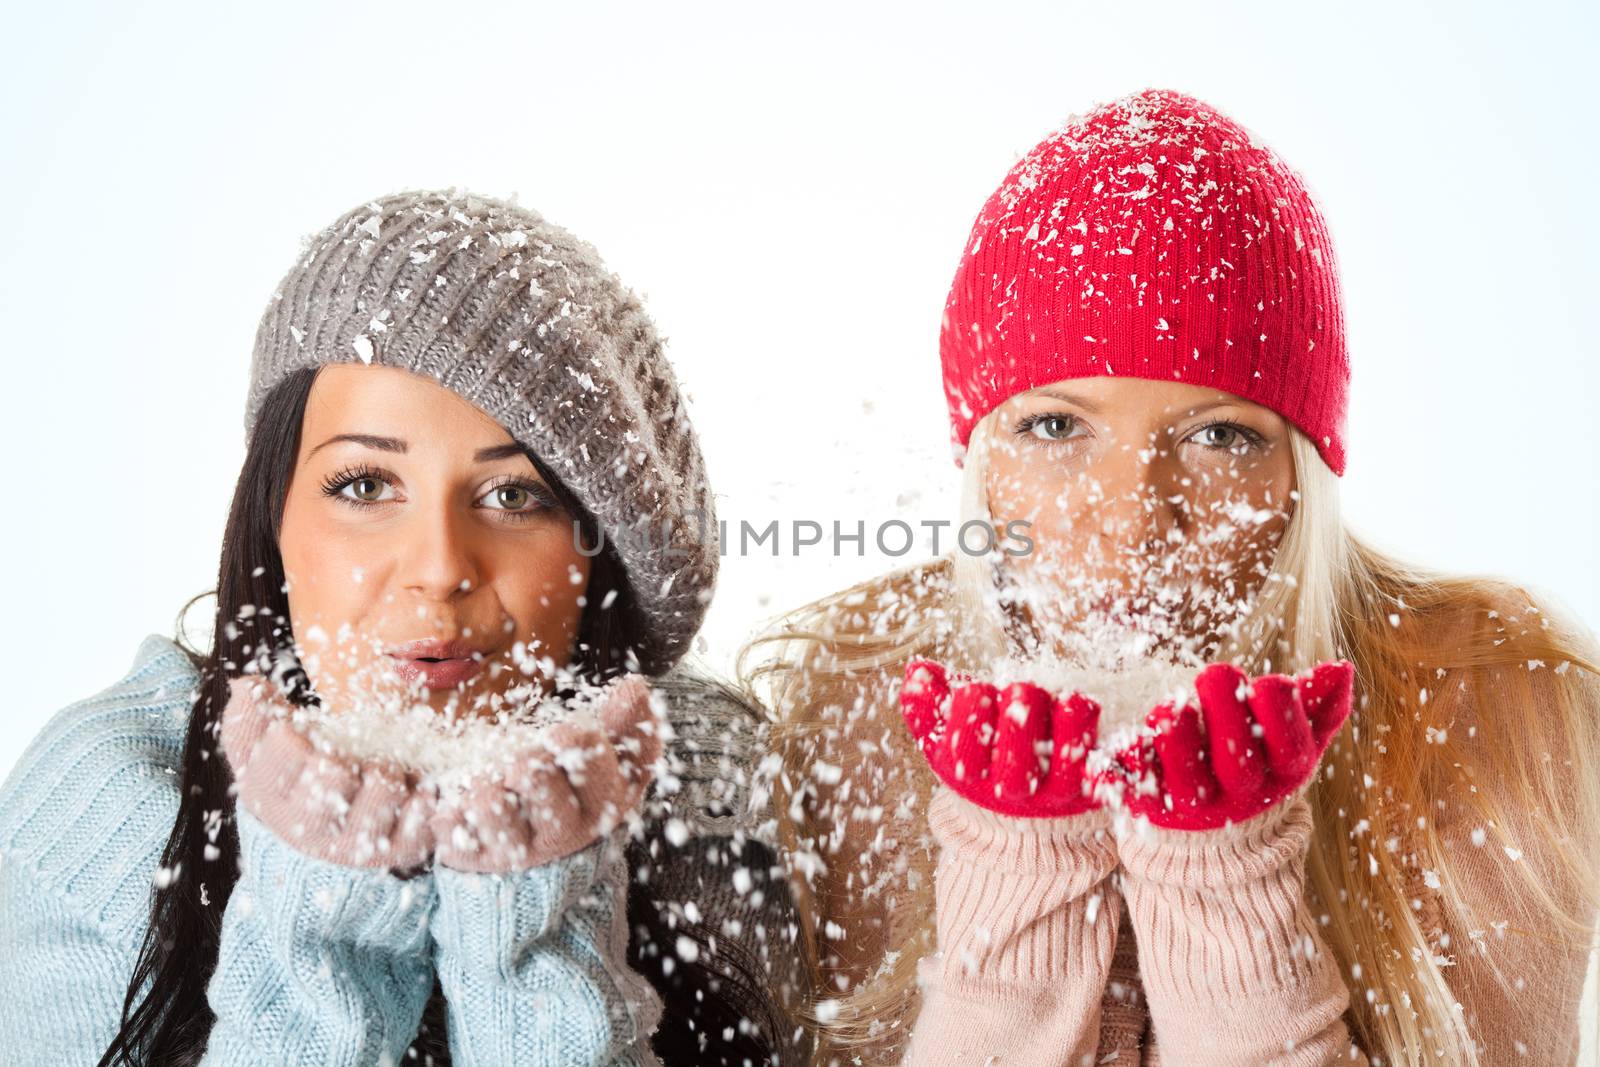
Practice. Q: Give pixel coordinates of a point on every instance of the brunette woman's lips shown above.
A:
(436, 664)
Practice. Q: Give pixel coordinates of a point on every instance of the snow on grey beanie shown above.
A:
(521, 318)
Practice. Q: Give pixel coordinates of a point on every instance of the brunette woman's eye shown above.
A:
(369, 489)
(522, 499)
(366, 483)
(1052, 427)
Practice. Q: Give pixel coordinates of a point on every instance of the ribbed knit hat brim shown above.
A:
(1151, 237)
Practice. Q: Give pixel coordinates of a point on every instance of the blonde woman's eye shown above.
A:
(1227, 436)
(1049, 427)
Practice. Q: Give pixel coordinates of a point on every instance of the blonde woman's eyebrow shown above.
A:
(395, 444)
(1199, 408)
(1094, 409)
(1072, 398)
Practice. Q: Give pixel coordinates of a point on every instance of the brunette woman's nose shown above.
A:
(438, 560)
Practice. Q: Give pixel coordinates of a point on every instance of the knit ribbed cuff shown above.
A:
(318, 962)
(534, 963)
(316, 899)
(1231, 962)
(1229, 903)
(1019, 900)
(1027, 922)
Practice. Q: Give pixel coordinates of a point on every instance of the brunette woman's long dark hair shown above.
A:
(166, 1018)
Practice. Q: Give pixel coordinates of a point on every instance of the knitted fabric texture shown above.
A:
(521, 318)
(1027, 923)
(328, 963)
(1231, 961)
(532, 963)
(724, 888)
(1219, 958)
(1036, 924)
(1150, 237)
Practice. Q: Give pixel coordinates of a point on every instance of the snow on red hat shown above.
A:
(1150, 237)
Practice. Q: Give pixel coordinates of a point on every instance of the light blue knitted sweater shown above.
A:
(319, 963)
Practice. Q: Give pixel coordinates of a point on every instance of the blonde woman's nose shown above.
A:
(1136, 517)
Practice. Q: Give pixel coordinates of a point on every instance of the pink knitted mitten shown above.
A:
(558, 790)
(366, 813)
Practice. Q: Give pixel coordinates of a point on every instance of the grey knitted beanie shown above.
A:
(521, 318)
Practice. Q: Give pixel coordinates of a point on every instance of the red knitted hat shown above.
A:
(1150, 237)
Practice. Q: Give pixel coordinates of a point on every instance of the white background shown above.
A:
(790, 192)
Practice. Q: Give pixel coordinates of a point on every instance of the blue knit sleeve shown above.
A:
(84, 815)
(534, 964)
(61, 978)
(319, 962)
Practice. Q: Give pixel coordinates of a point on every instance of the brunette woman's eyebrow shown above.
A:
(485, 455)
(394, 444)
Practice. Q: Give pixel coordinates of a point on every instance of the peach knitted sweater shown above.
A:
(1061, 944)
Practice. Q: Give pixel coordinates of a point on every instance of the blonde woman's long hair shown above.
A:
(1422, 642)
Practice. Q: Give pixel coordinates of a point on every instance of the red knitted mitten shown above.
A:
(1202, 768)
(1017, 750)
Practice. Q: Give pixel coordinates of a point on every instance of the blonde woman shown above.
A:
(1144, 360)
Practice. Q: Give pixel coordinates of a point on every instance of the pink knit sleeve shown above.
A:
(1027, 921)
(1517, 973)
(1233, 969)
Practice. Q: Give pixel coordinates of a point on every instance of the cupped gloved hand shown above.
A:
(1250, 744)
(556, 789)
(1024, 906)
(550, 792)
(1213, 873)
(357, 812)
(1022, 750)
(1018, 749)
